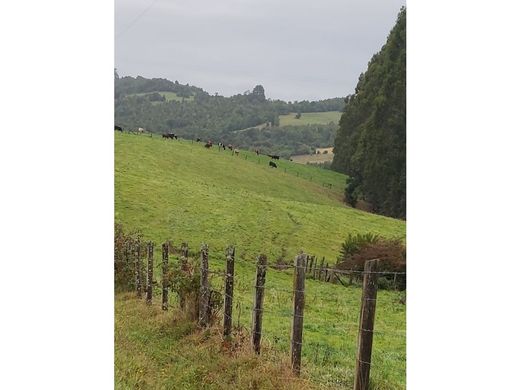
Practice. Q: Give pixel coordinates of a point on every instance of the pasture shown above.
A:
(180, 191)
(310, 118)
(313, 158)
(169, 96)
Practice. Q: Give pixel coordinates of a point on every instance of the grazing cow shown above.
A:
(140, 130)
(235, 151)
(230, 147)
(257, 152)
(274, 157)
(169, 135)
(198, 139)
(272, 164)
(208, 144)
(118, 128)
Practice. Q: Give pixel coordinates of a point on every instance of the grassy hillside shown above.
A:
(169, 96)
(310, 118)
(181, 191)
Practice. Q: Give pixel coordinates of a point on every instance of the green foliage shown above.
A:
(184, 281)
(371, 142)
(285, 141)
(358, 248)
(124, 257)
(355, 242)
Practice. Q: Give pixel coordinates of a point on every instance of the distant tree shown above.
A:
(259, 93)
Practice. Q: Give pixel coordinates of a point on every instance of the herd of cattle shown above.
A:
(209, 144)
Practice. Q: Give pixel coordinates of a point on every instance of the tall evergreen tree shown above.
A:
(370, 145)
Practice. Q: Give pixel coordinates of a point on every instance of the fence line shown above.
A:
(304, 265)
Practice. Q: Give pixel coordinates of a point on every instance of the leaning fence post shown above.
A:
(184, 265)
(165, 247)
(321, 268)
(299, 302)
(309, 267)
(366, 325)
(138, 270)
(228, 299)
(204, 287)
(326, 272)
(261, 269)
(149, 280)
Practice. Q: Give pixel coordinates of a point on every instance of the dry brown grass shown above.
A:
(164, 350)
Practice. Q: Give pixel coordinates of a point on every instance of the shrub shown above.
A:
(125, 245)
(354, 243)
(185, 281)
(359, 248)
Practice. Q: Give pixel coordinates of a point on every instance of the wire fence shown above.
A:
(332, 325)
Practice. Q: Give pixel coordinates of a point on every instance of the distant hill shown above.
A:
(160, 105)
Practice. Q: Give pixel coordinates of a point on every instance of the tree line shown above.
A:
(138, 103)
(370, 146)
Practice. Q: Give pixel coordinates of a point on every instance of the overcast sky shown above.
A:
(297, 49)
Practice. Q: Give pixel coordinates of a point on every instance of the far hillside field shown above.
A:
(310, 118)
(169, 96)
(178, 190)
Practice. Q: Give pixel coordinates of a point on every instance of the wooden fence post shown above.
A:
(228, 298)
(326, 279)
(149, 279)
(165, 247)
(138, 271)
(184, 265)
(261, 268)
(204, 287)
(321, 268)
(299, 303)
(309, 268)
(366, 325)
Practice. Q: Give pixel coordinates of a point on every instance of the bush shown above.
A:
(359, 248)
(185, 281)
(125, 245)
(354, 243)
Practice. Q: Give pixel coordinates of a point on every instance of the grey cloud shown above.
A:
(295, 49)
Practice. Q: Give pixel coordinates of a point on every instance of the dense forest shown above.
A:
(370, 145)
(249, 120)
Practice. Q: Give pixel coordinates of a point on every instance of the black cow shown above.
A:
(272, 164)
(118, 128)
(274, 157)
(208, 144)
(169, 136)
(198, 139)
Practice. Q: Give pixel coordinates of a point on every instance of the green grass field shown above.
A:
(167, 94)
(310, 118)
(180, 191)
